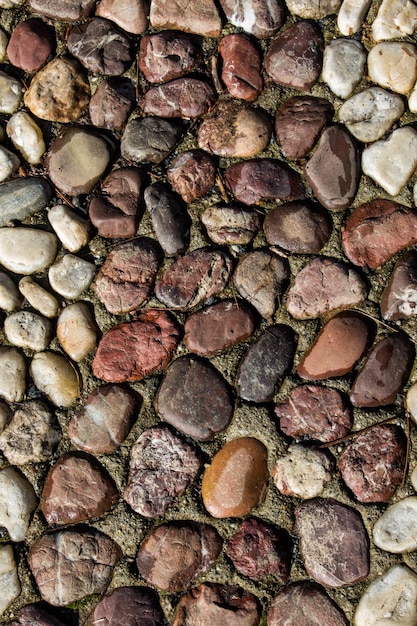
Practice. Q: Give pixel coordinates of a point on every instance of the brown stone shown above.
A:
(192, 174)
(68, 11)
(112, 103)
(167, 55)
(37, 615)
(260, 18)
(399, 298)
(304, 603)
(170, 219)
(183, 97)
(200, 17)
(231, 225)
(298, 227)
(30, 45)
(241, 70)
(135, 606)
(131, 15)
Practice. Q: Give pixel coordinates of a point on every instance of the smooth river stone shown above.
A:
(200, 17)
(183, 97)
(27, 250)
(37, 615)
(338, 347)
(68, 11)
(241, 69)
(39, 298)
(9, 580)
(71, 276)
(77, 331)
(72, 230)
(167, 55)
(299, 227)
(235, 481)
(385, 372)
(31, 42)
(333, 171)
(11, 91)
(139, 606)
(22, 197)
(334, 542)
(170, 219)
(393, 64)
(313, 10)
(12, 374)
(130, 15)
(26, 329)
(351, 15)
(343, 66)
(303, 471)
(194, 398)
(10, 298)
(149, 139)
(233, 225)
(260, 18)
(26, 136)
(395, 19)
(17, 503)
(396, 530)
(304, 603)
(9, 163)
(399, 298)
(322, 286)
(56, 377)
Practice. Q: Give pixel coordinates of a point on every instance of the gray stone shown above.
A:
(12, 375)
(10, 298)
(22, 197)
(343, 65)
(9, 163)
(17, 503)
(25, 329)
(150, 139)
(9, 580)
(71, 276)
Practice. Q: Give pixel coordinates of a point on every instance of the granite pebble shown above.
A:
(395, 19)
(26, 329)
(77, 331)
(184, 97)
(315, 10)
(18, 501)
(22, 197)
(56, 377)
(71, 275)
(68, 11)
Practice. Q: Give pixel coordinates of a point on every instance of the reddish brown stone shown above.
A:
(200, 17)
(231, 224)
(399, 298)
(136, 606)
(304, 604)
(167, 55)
(192, 174)
(183, 97)
(68, 11)
(30, 45)
(133, 350)
(241, 71)
(372, 465)
(260, 18)
(112, 103)
(170, 219)
(377, 230)
(37, 615)
(299, 227)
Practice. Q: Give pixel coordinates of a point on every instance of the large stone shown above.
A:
(351, 15)
(304, 603)
(17, 502)
(260, 18)
(233, 225)
(167, 55)
(28, 330)
(170, 219)
(303, 471)
(192, 174)
(395, 18)
(241, 70)
(393, 64)
(30, 45)
(112, 103)
(71, 275)
(343, 65)
(298, 227)
(27, 250)
(77, 331)
(10, 587)
(149, 139)
(131, 16)
(11, 92)
(200, 17)
(68, 11)
(396, 530)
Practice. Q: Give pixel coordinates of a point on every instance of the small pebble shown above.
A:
(139, 606)
(26, 250)
(167, 55)
(183, 97)
(11, 92)
(351, 16)
(393, 64)
(200, 17)
(130, 15)
(38, 297)
(112, 103)
(69, 11)
(343, 66)
(56, 377)
(26, 137)
(12, 374)
(396, 530)
(17, 503)
(72, 230)
(298, 228)
(260, 18)
(71, 276)
(77, 331)
(9, 580)
(192, 174)
(231, 225)
(3, 42)
(235, 481)
(241, 67)
(170, 219)
(303, 471)
(25, 329)
(395, 18)
(31, 42)
(149, 139)
(304, 603)
(10, 298)
(9, 163)
(399, 298)
(22, 197)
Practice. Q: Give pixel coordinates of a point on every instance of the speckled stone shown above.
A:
(396, 530)
(17, 503)
(12, 374)
(260, 18)
(26, 329)
(27, 250)
(56, 377)
(77, 330)
(304, 603)
(200, 17)
(303, 471)
(71, 276)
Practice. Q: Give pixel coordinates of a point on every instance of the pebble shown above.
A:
(258, 550)
(394, 19)
(26, 250)
(194, 398)
(192, 174)
(77, 489)
(385, 372)
(25, 329)
(218, 327)
(162, 466)
(259, 180)
(315, 412)
(259, 18)
(183, 97)
(131, 16)
(334, 542)
(3, 42)
(266, 363)
(32, 435)
(333, 172)
(371, 113)
(59, 92)
(303, 471)
(30, 44)
(201, 17)
(315, 10)
(399, 298)
(77, 331)
(10, 4)
(391, 598)
(18, 501)
(139, 606)
(11, 92)
(261, 278)
(322, 286)
(343, 66)
(304, 603)
(299, 122)
(170, 219)
(193, 278)
(234, 129)
(241, 67)
(22, 197)
(9, 580)
(112, 103)
(125, 280)
(77, 159)
(396, 530)
(38, 297)
(233, 225)
(167, 55)
(26, 136)
(9, 163)
(72, 230)
(56, 377)
(133, 350)
(10, 298)
(71, 276)
(393, 64)
(116, 210)
(177, 553)
(351, 16)
(37, 615)
(298, 228)
(235, 481)
(5, 414)
(411, 406)
(104, 422)
(12, 374)
(295, 57)
(149, 139)
(372, 465)
(65, 564)
(69, 11)
(391, 162)
(337, 348)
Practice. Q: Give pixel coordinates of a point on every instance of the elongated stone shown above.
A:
(351, 15)
(170, 219)
(183, 97)
(56, 378)
(17, 502)
(22, 197)
(343, 65)
(12, 374)
(399, 298)
(77, 331)
(200, 17)
(9, 580)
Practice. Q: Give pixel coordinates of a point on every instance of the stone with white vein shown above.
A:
(343, 65)
(11, 91)
(393, 64)
(17, 502)
(72, 229)
(39, 298)
(26, 137)
(27, 250)
(71, 276)
(77, 331)
(9, 163)
(395, 18)
(56, 378)
(10, 298)
(396, 530)
(9, 580)
(12, 374)
(351, 15)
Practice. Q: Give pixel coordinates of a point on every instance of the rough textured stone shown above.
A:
(298, 228)
(131, 16)
(71, 276)
(315, 10)
(139, 606)
(30, 44)
(182, 97)
(38, 298)
(56, 377)
(399, 298)
(77, 331)
(192, 174)
(303, 471)
(112, 103)
(25, 329)
(241, 67)
(27, 250)
(393, 64)
(149, 139)
(12, 374)
(394, 19)
(304, 603)
(396, 530)
(259, 18)
(233, 225)
(170, 219)
(9, 580)
(17, 502)
(72, 230)
(167, 55)
(68, 11)
(200, 17)
(22, 197)
(343, 66)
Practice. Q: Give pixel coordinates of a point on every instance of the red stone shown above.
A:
(241, 71)
(183, 97)
(192, 174)
(167, 55)
(399, 298)
(30, 45)
(304, 604)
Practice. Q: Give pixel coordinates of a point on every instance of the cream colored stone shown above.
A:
(11, 91)
(27, 250)
(10, 298)
(313, 9)
(9, 579)
(12, 375)
(71, 276)
(17, 502)
(302, 472)
(343, 65)
(396, 530)
(38, 297)
(131, 15)
(351, 15)
(9, 163)
(26, 137)
(72, 230)
(393, 64)
(3, 44)
(56, 378)
(76, 330)
(26, 329)
(395, 18)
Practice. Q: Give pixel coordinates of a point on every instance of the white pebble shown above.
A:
(72, 230)
(390, 599)
(9, 580)
(414, 478)
(412, 100)
(54, 376)
(411, 401)
(9, 163)
(25, 329)
(313, 9)
(71, 276)
(302, 472)
(393, 64)
(391, 162)
(12, 375)
(351, 15)
(10, 298)
(38, 297)
(395, 18)
(343, 65)
(396, 530)
(77, 331)
(27, 250)
(17, 502)
(3, 44)
(11, 91)
(26, 136)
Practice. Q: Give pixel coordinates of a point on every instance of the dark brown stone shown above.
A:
(161, 467)
(175, 554)
(68, 11)
(170, 219)
(167, 55)
(298, 227)
(399, 298)
(304, 604)
(183, 97)
(200, 17)
(295, 57)
(192, 174)
(299, 122)
(149, 139)
(372, 465)
(315, 412)
(133, 350)
(194, 398)
(112, 103)
(30, 45)
(260, 18)
(265, 365)
(241, 71)
(231, 225)
(377, 230)
(38, 615)
(134, 606)
(334, 543)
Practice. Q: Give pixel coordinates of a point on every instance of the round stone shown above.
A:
(56, 378)
(304, 603)
(17, 503)
(30, 45)
(27, 250)
(351, 16)
(231, 224)
(77, 331)
(25, 329)
(393, 64)
(137, 606)
(71, 276)
(303, 471)
(343, 66)
(167, 55)
(192, 174)
(149, 139)
(298, 228)
(396, 530)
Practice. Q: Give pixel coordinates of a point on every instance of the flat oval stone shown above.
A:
(22, 197)
(25, 329)
(377, 230)
(72, 230)
(241, 67)
(333, 171)
(12, 374)
(139, 606)
(77, 331)
(343, 65)
(235, 482)
(39, 298)
(259, 18)
(27, 250)
(162, 466)
(8, 572)
(69, 11)
(56, 377)
(315, 10)
(295, 57)
(175, 554)
(10, 298)
(304, 603)
(17, 503)
(265, 365)
(372, 465)
(200, 17)
(112, 103)
(170, 219)
(399, 298)
(298, 228)
(192, 174)
(183, 97)
(231, 225)
(385, 372)
(11, 92)
(167, 55)
(30, 44)
(396, 530)
(131, 16)
(315, 412)
(351, 16)
(195, 398)
(71, 276)
(149, 139)
(393, 64)
(303, 471)
(338, 347)
(334, 543)
(322, 286)
(133, 350)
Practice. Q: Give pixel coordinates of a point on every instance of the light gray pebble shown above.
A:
(3, 44)
(395, 18)
(313, 9)
(351, 15)
(9, 163)
(10, 298)
(343, 65)
(11, 91)
(56, 378)
(393, 64)
(71, 276)
(12, 375)
(77, 331)
(22, 197)
(39, 298)
(17, 502)
(414, 478)
(303, 471)
(9, 579)
(25, 329)
(27, 250)
(72, 230)
(396, 530)
(26, 137)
